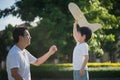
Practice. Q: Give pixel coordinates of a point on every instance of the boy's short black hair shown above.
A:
(19, 31)
(85, 31)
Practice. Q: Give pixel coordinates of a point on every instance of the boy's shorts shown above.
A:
(76, 75)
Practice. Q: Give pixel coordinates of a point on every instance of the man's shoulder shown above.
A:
(13, 50)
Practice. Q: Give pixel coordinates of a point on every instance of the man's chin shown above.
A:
(28, 44)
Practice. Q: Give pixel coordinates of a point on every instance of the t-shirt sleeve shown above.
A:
(14, 61)
(31, 58)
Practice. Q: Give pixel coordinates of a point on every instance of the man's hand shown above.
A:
(52, 50)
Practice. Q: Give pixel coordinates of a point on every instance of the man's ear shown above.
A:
(20, 38)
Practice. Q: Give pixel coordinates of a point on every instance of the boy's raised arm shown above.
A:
(75, 30)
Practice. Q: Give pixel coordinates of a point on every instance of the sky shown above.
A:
(9, 19)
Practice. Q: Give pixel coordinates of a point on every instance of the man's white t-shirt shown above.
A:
(20, 59)
(79, 51)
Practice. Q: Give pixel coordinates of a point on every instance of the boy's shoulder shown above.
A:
(82, 45)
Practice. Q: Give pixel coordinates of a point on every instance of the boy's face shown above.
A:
(81, 38)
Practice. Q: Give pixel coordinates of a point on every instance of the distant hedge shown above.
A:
(65, 70)
(96, 70)
(105, 64)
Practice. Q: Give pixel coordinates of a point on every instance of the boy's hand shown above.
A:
(75, 23)
(82, 72)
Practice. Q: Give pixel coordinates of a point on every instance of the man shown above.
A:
(19, 59)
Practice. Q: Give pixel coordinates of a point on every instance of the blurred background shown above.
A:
(51, 23)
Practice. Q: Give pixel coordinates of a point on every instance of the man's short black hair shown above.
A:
(85, 31)
(18, 31)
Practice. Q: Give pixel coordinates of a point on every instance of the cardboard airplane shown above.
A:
(82, 21)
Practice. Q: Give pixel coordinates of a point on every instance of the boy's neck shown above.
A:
(81, 42)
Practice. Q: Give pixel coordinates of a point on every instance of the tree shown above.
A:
(56, 26)
(5, 42)
(114, 9)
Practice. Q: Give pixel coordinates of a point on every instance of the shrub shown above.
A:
(96, 70)
(106, 64)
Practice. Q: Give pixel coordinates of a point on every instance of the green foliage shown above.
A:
(113, 24)
(5, 42)
(64, 71)
(56, 26)
(3, 75)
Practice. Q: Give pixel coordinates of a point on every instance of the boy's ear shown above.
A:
(84, 37)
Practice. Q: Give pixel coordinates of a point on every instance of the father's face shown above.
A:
(26, 38)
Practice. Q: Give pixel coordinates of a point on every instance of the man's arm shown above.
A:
(15, 74)
(43, 58)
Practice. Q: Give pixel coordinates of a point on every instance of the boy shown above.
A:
(80, 52)
(19, 59)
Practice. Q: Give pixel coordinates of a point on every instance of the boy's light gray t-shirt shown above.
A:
(78, 55)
